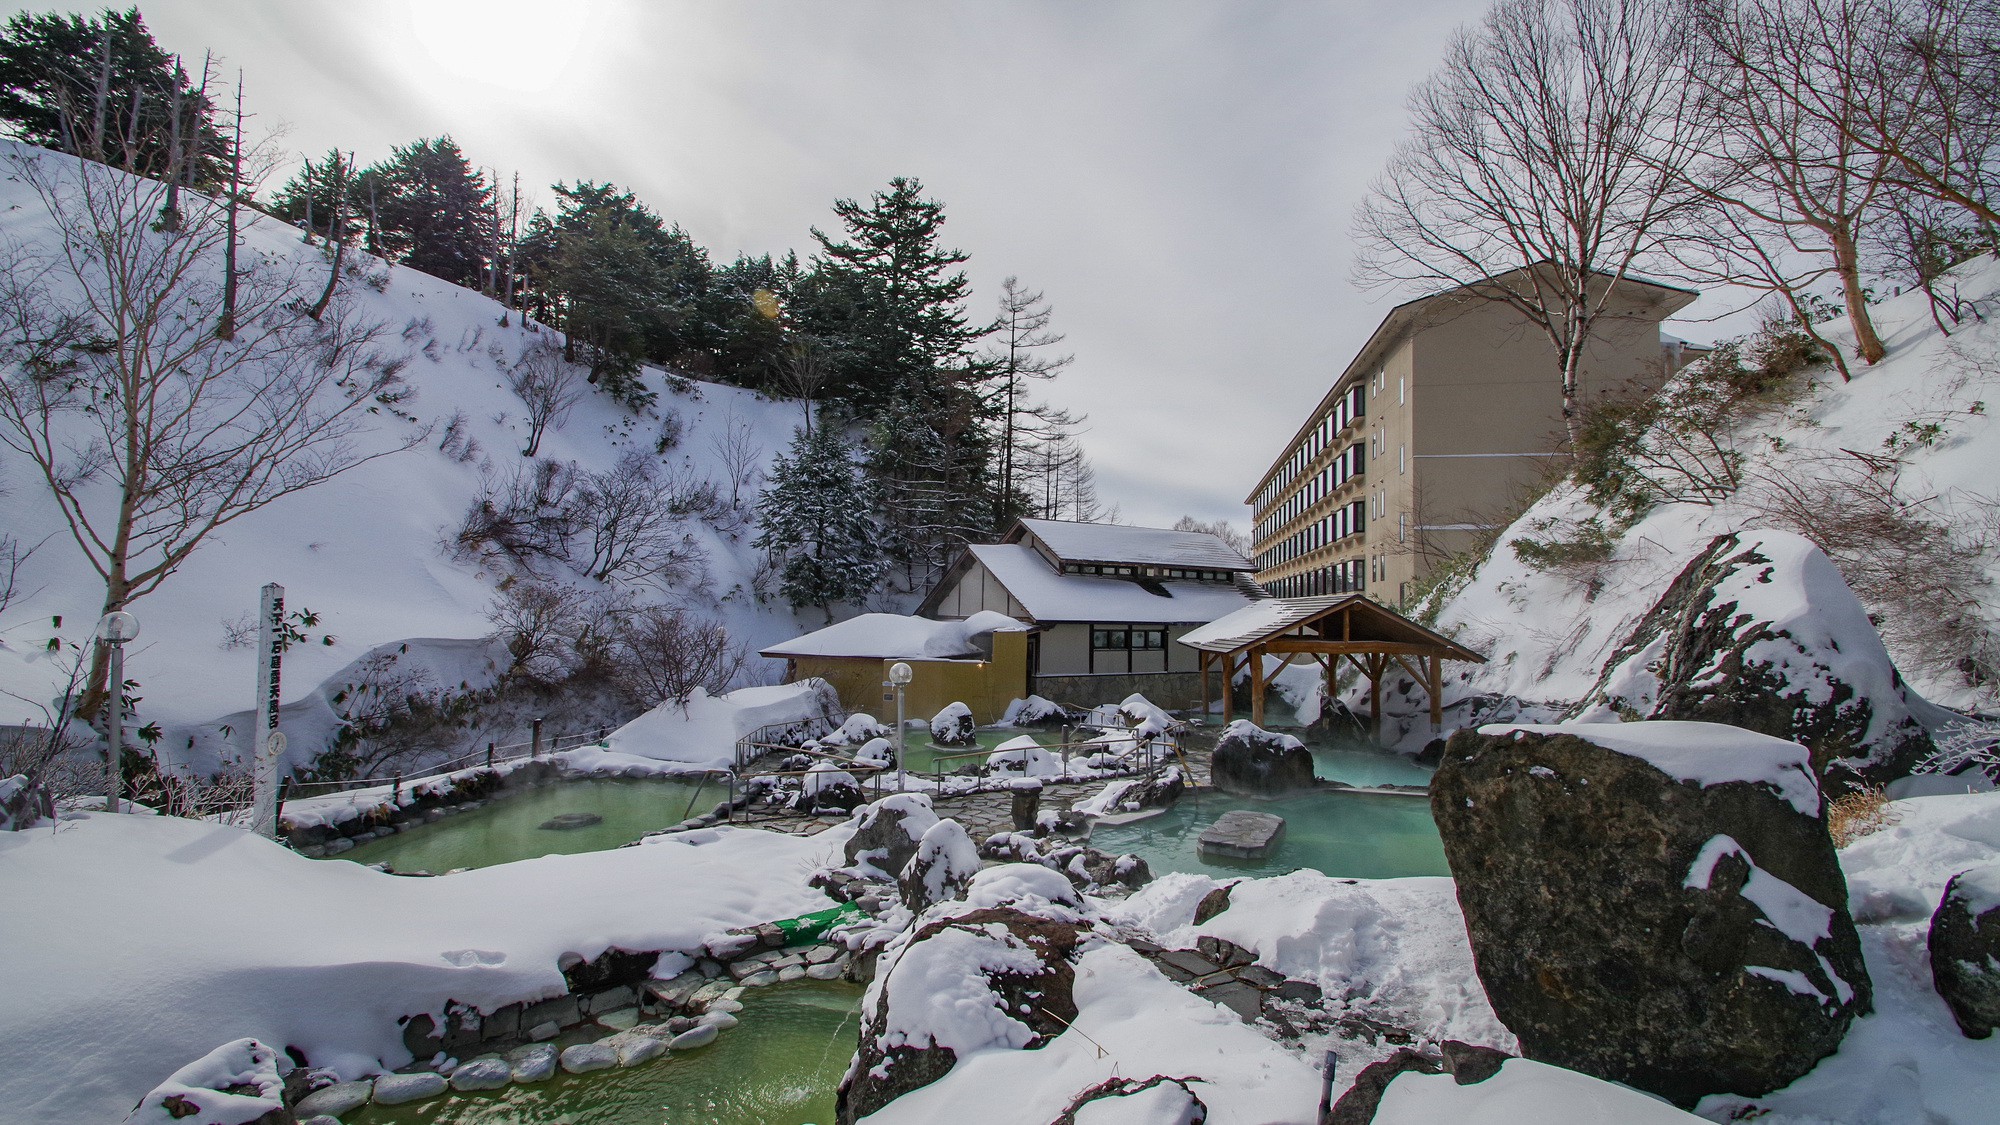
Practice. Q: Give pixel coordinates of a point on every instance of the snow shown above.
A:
(825, 775)
(894, 636)
(363, 550)
(1703, 754)
(1131, 1022)
(947, 855)
(199, 1089)
(1524, 1092)
(1034, 709)
(243, 937)
(704, 736)
(1050, 595)
(1148, 546)
(1787, 909)
(1024, 756)
(1979, 890)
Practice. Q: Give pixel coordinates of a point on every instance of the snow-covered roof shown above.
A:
(1259, 619)
(1147, 546)
(893, 636)
(1050, 595)
(1359, 618)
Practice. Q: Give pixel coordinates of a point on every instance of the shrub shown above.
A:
(1857, 814)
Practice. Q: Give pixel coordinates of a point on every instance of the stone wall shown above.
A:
(1170, 690)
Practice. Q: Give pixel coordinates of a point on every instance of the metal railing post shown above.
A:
(535, 750)
(396, 792)
(489, 755)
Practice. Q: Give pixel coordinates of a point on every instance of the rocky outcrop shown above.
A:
(1250, 759)
(1965, 950)
(887, 832)
(945, 863)
(1625, 884)
(953, 726)
(1761, 632)
(926, 1008)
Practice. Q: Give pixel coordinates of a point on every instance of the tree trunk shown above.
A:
(227, 329)
(1847, 261)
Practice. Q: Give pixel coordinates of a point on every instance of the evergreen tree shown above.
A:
(911, 334)
(307, 199)
(745, 311)
(431, 210)
(102, 88)
(931, 463)
(814, 515)
(623, 284)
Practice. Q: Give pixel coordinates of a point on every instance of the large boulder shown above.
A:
(945, 862)
(1657, 904)
(1965, 950)
(953, 726)
(1250, 759)
(995, 971)
(886, 834)
(1761, 632)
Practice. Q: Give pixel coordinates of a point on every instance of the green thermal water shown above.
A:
(510, 827)
(780, 1067)
(1346, 835)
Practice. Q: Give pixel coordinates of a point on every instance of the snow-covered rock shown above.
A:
(1250, 759)
(887, 832)
(1964, 946)
(953, 725)
(235, 1084)
(945, 862)
(1672, 876)
(1760, 631)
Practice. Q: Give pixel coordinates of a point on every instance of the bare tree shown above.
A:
(1543, 161)
(1790, 185)
(1931, 69)
(538, 621)
(149, 430)
(336, 230)
(664, 654)
(1231, 535)
(802, 373)
(1017, 357)
(548, 388)
(630, 523)
(735, 446)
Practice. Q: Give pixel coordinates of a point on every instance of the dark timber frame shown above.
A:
(1372, 638)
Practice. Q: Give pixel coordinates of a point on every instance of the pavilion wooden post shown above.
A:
(1202, 660)
(1437, 694)
(1228, 688)
(1377, 664)
(1257, 685)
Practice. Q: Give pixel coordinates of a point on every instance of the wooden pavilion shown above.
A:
(1329, 629)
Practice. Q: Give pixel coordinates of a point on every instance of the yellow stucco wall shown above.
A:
(985, 686)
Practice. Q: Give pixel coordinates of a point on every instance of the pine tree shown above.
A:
(814, 515)
(102, 88)
(914, 335)
(433, 212)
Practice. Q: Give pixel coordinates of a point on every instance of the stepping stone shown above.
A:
(535, 1063)
(335, 1100)
(1238, 997)
(1189, 963)
(396, 1089)
(1242, 834)
(624, 1019)
(586, 1057)
(488, 1072)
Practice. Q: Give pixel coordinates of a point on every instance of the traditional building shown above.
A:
(1432, 434)
(1107, 603)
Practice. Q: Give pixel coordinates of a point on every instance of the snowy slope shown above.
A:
(365, 551)
(1547, 635)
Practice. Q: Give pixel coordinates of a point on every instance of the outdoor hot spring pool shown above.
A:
(780, 1067)
(1343, 834)
(510, 827)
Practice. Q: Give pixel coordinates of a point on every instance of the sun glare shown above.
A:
(516, 44)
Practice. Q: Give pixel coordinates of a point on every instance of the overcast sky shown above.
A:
(1175, 175)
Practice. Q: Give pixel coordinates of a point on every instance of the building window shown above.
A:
(1402, 390)
(1402, 458)
(1107, 639)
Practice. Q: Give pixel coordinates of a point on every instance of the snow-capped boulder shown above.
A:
(982, 976)
(887, 833)
(1023, 757)
(1035, 711)
(236, 1084)
(1761, 632)
(1250, 759)
(855, 730)
(1965, 950)
(953, 726)
(944, 865)
(22, 805)
(1657, 904)
(829, 789)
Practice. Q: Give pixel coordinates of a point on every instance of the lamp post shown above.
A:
(114, 629)
(900, 675)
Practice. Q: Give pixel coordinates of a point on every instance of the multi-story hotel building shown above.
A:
(1432, 433)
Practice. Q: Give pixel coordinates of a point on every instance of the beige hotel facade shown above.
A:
(1433, 432)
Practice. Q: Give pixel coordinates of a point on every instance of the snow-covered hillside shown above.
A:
(1549, 632)
(368, 551)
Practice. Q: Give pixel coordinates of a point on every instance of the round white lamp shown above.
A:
(114, 629)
